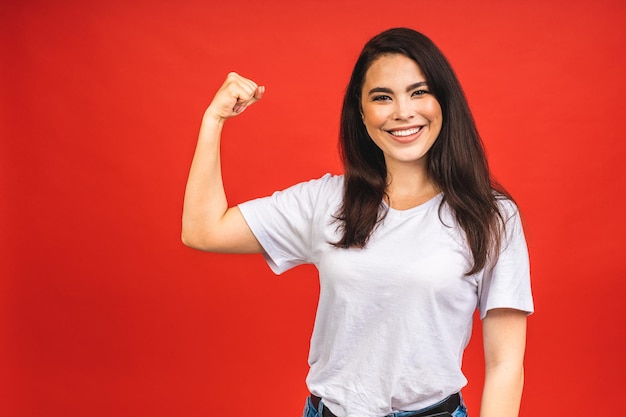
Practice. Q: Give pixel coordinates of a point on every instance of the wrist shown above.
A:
(211, 128)
(211, 118)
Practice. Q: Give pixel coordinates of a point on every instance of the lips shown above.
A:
(405, 132)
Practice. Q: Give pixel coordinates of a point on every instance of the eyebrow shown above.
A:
(389, 91)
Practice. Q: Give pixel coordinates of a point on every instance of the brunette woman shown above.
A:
(409, 242)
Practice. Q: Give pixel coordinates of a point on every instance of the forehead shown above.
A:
(392, 69)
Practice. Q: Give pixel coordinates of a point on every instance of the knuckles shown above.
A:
(237, 93)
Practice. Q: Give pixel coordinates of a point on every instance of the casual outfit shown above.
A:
(394, 317)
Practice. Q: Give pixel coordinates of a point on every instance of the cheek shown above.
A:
(373, 118)
(434, 111)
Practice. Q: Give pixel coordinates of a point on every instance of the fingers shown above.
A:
(246, 91)
(234, 96)
(243, 103)
(258, 94)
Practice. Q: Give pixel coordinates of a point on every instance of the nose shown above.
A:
(403, 109)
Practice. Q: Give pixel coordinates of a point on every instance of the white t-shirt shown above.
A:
(393, 318)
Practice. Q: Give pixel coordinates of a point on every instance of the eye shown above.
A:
(381, 98)
(419, 93)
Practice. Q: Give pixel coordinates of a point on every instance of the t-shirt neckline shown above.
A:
(420, 207)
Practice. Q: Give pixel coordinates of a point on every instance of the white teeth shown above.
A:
(405, 132)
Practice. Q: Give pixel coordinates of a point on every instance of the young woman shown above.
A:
(408, 242)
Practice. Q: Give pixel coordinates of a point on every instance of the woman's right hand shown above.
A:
(234, 96)
(208, 223)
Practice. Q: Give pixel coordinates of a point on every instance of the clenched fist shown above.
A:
(233, 97)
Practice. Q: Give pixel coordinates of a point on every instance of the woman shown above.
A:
(408, 242)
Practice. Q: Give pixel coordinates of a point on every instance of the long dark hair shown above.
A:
(456, 162)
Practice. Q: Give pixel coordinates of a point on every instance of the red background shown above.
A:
(103, 312)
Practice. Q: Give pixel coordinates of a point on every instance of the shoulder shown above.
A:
(325, 186)
(325, 182)
(504, 209)
(507, 207)
(303, 197)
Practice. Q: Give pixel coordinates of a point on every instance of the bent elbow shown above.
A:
(200, 240)
(191, 240)
(185, 239)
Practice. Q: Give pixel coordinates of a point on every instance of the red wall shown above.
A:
(103, 312)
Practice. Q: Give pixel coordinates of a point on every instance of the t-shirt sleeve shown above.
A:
(507, 283)
(284, 222)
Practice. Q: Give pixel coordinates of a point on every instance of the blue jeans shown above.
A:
(310, 411)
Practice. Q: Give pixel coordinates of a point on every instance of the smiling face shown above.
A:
(400, 114)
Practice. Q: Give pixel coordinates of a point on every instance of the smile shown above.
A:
(407, 132)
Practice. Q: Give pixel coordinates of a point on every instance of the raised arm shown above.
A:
(208, 223)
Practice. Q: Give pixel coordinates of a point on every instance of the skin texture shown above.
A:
(395, 97)
(208, 223)
(504, 343)
(403, 119)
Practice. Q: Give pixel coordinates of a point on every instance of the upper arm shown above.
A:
(504, 336)
(231, 234)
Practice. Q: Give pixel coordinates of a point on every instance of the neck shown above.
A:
(409, 186)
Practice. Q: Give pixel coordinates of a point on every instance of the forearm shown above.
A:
(205, 200)
(502, 392)
(208, 223)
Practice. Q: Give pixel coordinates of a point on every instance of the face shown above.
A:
(400, 114)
